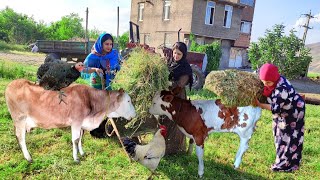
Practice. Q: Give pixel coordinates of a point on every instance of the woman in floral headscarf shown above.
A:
(288, 109)
(102, 61)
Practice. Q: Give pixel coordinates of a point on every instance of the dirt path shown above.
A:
(24, 58)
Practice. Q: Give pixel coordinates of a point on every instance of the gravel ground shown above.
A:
(301, 85)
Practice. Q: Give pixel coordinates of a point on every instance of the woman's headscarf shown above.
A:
(181, 67)
(269, 72)
(98, 45)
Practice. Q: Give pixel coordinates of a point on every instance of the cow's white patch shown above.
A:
(30, 123)
(156, 109)
(173, 112)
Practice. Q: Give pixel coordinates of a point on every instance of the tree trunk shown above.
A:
(175, 140)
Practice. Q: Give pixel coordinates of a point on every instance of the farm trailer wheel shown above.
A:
(198, 77)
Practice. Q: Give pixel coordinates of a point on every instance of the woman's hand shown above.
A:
(98, 70)
(257, 103)
(262, 105)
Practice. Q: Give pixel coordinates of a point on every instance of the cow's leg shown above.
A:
(20, 130)
(80, 143)
(199, 151)
(190, 148)
(75, 130)
(242, 149)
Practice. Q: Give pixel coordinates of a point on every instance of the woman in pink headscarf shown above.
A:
(288, 109)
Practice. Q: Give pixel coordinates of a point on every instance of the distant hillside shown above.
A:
(315, 53)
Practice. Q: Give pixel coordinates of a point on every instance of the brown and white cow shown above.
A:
(196, 119)
(31, 106)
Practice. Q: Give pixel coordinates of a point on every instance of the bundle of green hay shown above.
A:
(234, 87)
(142, 75)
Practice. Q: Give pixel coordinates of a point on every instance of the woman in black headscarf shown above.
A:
(180, 76)
(180, 69)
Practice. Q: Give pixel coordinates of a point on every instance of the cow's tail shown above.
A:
(130, 146)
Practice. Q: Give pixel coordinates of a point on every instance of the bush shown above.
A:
(9, 70)
(16, 47)
(212, 50)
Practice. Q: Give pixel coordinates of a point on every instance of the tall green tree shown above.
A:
(19, 28)
(68, 27)
(287, 52)
(123, 40)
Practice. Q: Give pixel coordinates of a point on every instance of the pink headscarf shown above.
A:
(269, 72)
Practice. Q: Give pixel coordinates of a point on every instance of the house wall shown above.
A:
(216, 30)
(190, 16)
(154, 24)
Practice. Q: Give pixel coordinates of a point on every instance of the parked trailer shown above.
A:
(75, 51)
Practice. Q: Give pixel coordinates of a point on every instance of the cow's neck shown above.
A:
(177, 110)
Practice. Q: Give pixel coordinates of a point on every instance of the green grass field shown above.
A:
(52, 150)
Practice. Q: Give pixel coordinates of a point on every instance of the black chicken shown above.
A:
(57, 74)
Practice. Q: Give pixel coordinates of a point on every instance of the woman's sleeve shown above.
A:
(280, 100)
(118, 57)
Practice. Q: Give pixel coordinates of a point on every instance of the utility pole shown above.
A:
(306, 26)
(86, 33)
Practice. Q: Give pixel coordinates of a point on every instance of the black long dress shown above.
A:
(288, 109)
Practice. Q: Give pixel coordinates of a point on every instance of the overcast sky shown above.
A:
(103, 14)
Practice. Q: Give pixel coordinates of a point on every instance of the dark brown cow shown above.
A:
(31, 106)
(197, 119)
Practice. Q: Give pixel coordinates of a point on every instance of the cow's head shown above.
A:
(162, 101)
(123, 106)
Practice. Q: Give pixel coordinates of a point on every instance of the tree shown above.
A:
(287, 52)
(212, 50)
(123, 40)
(68, 27)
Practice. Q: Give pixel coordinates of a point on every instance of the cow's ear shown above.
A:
(176, 90)
(120, 96)
(121, 91)
(168, 98)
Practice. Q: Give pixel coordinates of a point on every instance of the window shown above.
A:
(166, 10)
(227, 16)
(146, 39)
(210, 13)
(140, 11)
(247, 2)
(167, 40)
(245, 27)
(200, 41)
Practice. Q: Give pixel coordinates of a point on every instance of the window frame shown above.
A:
(242, 24)
(209, 14)
(247, 2)
(166, 10)
(140, 11)
(228, 12)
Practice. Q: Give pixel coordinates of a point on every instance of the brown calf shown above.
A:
(31, 106)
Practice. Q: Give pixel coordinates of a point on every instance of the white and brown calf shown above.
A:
(196, 119)
(31, 106)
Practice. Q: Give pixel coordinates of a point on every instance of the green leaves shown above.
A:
(287, 52)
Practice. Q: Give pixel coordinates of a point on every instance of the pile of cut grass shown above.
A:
(234, 87)
(142, 75)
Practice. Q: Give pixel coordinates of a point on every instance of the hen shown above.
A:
(57, 74)
(148, 155)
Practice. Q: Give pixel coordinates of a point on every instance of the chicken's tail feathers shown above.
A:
(129, 145)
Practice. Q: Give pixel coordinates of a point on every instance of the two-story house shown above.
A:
(226, 21)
